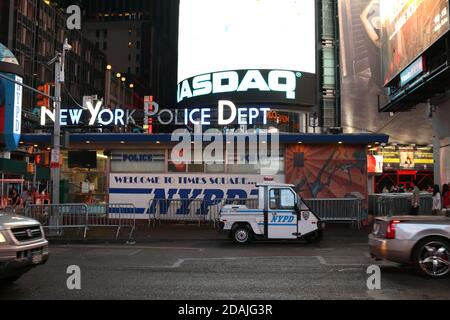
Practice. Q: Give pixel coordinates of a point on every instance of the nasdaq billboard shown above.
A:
(247, 51)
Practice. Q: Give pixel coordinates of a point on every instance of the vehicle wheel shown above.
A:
(241, 235)
(315, 237)
(432, 258)
(10, 280)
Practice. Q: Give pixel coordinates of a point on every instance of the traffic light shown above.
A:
(44, 101)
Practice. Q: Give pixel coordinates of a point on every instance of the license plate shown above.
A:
(37, 259)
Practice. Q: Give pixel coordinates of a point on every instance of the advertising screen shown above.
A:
(409, 27)
(247, 50)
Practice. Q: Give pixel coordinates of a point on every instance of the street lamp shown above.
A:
(59, 62)
(108, 84)
(118, 75)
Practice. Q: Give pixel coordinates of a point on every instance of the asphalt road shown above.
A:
(204, 270)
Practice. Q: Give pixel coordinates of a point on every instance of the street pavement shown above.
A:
(202, 266)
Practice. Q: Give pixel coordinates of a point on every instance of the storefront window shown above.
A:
(78, 181)
(215, 168)
(196, 168)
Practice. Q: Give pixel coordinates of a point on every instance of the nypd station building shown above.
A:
(239, 81)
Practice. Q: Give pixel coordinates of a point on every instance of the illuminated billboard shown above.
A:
(409, 28)
(248, 51)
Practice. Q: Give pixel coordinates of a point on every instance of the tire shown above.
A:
(431, 258)
(241, 235)
(314, 238)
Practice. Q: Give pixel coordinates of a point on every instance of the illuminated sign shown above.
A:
(227, 113)
(412, 71)
(274, 116)
(10, 111)
(231, 81)
(375, 164)
(248, 51)
(97, 116)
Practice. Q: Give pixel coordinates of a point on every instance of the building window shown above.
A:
(138, 45)
(138, 57)
(105, 45)
(97, 34)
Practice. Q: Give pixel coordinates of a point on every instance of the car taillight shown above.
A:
(391, 229)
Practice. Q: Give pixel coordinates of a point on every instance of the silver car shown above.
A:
(421, 241)
(22, 246)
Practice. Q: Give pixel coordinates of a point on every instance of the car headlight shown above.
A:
(2, 238)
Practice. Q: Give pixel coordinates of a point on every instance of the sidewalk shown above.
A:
(187, 232)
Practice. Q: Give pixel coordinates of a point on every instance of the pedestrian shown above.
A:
(437, 201)
(15, 198)
(446, 198)
(401, 189)
(385, 189)
(415, 200)
(5, 201)
(25, 197)
(89, 199)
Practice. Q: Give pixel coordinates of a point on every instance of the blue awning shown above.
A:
(112, 138)
(7, 56)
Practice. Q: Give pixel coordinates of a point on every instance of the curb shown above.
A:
(128, 242)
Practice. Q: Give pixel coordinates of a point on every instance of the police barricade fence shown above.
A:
(112, 215)
(338, 210)
(12, 210)
(56, 218)
(398, 204)
(208, 211)
(192, 210)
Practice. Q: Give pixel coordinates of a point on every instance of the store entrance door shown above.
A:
(406, 178)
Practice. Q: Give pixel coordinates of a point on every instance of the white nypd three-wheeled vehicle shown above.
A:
(278, 214)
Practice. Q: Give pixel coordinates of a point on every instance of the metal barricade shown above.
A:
(113, 215)
(185, 210)
(398, 204)
(338, 210)
(191, 210)
(201, 211)
(12, 210)
(56, 218)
